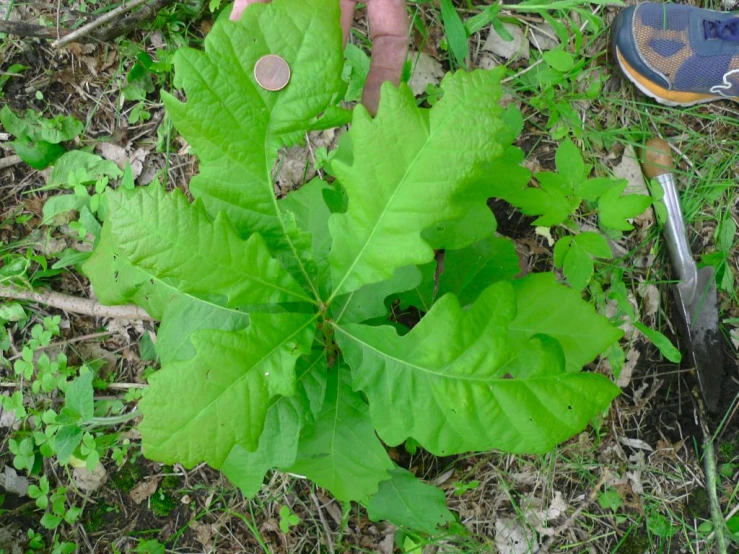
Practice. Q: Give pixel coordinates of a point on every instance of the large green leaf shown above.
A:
(409, 171)
(446, 383)
(407, 502)
(176, 242)
(236, 127)
(197, 410)
(340, 451)
(278, 445)
(546, 307)
(117, 281)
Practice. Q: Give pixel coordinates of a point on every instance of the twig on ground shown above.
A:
(118, 28)
(9, 161)
(125, 386)
(83, 306)
(91, 31)
(326, 528)
(21, 29)
(67, 342)
(100, 21)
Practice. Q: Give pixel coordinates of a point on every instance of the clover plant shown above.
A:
(276, 342)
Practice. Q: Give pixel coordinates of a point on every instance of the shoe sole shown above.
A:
(662, 95)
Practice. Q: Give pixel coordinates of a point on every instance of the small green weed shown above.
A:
(461, 488)
(38, 140)
(287, 519)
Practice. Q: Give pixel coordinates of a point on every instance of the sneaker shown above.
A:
(677, 54)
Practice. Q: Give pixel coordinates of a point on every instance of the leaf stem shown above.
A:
(113, 420)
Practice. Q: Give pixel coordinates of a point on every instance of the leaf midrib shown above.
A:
(430, 134)
(158, 231)
(443, 375)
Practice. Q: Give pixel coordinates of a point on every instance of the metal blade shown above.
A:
(699, 328)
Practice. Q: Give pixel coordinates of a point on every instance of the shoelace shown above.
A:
(724, 30)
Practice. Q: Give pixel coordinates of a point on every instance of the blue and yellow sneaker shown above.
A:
(679, 55)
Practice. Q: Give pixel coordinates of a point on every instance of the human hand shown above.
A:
(388, 21)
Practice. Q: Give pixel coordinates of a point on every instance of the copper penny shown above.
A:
(272, 72)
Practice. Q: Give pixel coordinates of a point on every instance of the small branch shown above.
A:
(9, 161)
(125, 386)
(102, 29)
(64, 343)
(326, 528)
(131, 22)
(21, 29)
(83, 306)
(102, 20)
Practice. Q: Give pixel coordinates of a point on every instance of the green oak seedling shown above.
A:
(277, 346)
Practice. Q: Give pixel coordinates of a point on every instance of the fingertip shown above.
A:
(347, 18)
(371, 93)
(241, 5)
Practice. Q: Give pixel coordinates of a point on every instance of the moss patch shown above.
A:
(170, 482)
(635, 543)
(728, 450)
(698, 504)
(127, 477)
(162, 503)
(95, 517)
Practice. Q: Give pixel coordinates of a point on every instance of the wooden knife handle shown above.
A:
(657, 158)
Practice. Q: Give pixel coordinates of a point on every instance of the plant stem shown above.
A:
(114, 420)
(709, 468)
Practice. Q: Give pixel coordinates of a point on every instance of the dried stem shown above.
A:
(83, 306)
(100, 21)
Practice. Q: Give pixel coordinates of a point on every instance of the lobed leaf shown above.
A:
(306, 206)
(237, 127)
(546, 307)
(199, 409)
(469, 271)
(278, 445)
(438, 149)
(340, 450)
(117, 281)
(369, 301)
(423, 295)
(446, 383)
(182, 317)
(176, 242)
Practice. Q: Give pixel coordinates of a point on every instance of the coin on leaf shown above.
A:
(272, 72)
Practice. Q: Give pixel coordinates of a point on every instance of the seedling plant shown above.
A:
(277, 344)
(74, 433)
